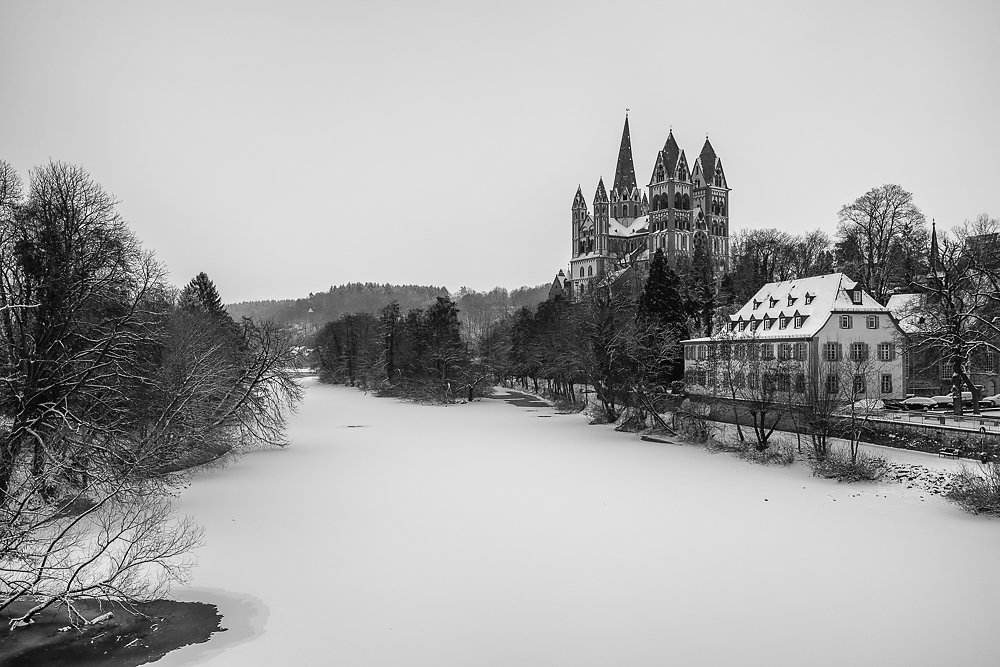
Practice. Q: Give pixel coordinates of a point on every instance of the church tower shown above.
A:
(711, 194)
(625, 199)
(670, 202)
(582, 233)
(602, 208)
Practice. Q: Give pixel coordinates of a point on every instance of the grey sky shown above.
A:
(283, 147)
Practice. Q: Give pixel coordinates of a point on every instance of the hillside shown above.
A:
(477, 310)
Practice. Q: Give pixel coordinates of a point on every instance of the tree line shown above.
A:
(111, 382)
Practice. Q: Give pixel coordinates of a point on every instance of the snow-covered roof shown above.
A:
(814, 298)
(908, 311)
(638, 226)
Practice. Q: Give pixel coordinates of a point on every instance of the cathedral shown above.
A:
(683, 207)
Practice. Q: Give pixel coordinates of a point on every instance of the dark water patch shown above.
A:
(127, 639)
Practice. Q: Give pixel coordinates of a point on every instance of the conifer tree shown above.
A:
(660, 298)
(201, 294)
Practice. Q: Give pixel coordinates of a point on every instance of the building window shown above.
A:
(768, 323)
(784, 351)
(855, 295)
(701, 352)
(946, 369)
(989, 363)
(886, 352)
(791, 300)
(832, 384)
(784, 382)
(783, 322)
(859, 384)
(800, 383)
(886, 383)
(799, 321)
(872, 321)
(772, 301)
(809, 298)
(756, 304)
(800, 352)
(859, 351)
(831, 351)
(724, 351)
(845, 321)
(743, 326)
(581, 272)
(766, 351)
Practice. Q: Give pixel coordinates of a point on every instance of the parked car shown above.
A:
(990, 401)
(945, 400)
(920, 403)
(893, 404)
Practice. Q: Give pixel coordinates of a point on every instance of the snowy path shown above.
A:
(481, 534)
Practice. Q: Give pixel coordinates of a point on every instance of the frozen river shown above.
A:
(487, 534)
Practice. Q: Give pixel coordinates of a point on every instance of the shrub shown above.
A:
(783, 454)
(977, 492)
(837, 464)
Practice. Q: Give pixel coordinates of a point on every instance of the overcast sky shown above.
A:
(284, 147)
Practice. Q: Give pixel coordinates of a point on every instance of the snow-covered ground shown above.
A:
(483, 534)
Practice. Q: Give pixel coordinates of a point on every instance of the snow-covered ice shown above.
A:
(481, 534)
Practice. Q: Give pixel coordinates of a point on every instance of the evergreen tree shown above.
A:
(660, 297)
(200, 294)
(702, 289)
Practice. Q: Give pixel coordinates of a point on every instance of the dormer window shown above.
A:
(743, 326)
(732, 326)
(754, 325)
(791, 300)
(768, 323)
(773, 302)
(809, 298)
(756, 304)
(783, 322)
(799, 321)
(855, 296)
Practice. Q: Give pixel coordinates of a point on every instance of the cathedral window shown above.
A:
(581, 272)
(687, 203)
(590, 271)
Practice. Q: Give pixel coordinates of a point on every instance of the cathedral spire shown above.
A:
(934, 249)
(625, 171)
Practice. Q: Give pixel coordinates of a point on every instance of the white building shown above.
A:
(823, 329)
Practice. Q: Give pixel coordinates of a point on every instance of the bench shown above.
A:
(950, 452)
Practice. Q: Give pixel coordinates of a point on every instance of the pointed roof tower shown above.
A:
(625, 171)
(578, 198)
(671, 151)
(601, 196)
(708, 159)
(934, 249)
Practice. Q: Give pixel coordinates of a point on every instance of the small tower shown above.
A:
(580, 216)
(625, 199)
(602, 213)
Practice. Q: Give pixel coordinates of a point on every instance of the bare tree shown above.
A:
(879, 236)
(105, 387)
(957, 312)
